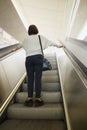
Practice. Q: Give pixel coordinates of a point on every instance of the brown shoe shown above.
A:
(29, 103)
(39, 103)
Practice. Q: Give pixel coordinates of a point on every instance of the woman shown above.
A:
(34, 62)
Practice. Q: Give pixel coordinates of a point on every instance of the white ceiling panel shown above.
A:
(47, 15)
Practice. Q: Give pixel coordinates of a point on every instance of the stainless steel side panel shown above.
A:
(4, 85)
(14, 67)
(74, 94)
(12, 74)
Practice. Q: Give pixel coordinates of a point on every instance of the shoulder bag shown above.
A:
(46, 63)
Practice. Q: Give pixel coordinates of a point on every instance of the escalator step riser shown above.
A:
(45, 87)
(50, 72)
(48, 97)
(49, 79)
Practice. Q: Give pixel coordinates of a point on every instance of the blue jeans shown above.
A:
(34, 72)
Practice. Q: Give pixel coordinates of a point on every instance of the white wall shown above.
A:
(10, 21)
(80, 20)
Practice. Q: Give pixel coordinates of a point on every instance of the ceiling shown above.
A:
(52, 17)
(47, 15)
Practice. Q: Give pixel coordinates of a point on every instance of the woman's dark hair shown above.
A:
(32, 30)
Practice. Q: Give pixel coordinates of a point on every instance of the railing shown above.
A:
(77, 49)
(7, 50)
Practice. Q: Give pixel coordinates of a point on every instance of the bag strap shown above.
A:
(41, 45)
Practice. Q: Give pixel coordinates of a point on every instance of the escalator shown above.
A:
(49, 116)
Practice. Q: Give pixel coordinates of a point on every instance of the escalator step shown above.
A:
(47, 111)
(50, 72)
(45, 87)
(51, 79)
(49, 76)
(48, 97)
(32, 125)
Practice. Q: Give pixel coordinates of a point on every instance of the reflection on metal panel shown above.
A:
(78, 48)
(14, 67)
(4, 85)
(75, 94)
(12, 74)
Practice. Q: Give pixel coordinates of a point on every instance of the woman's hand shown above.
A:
(15, 49)
(60, 46)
